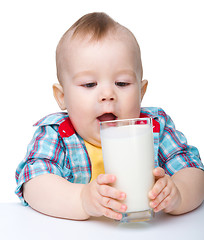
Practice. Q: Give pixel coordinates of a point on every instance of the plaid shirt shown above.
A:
(56, 148)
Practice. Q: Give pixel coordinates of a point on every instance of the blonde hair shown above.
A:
(97, 26)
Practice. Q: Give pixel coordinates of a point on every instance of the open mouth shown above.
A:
(107, 117)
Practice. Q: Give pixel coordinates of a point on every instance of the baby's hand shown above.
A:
(164, 194)
(98, 198)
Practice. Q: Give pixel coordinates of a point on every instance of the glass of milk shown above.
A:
(128, 153)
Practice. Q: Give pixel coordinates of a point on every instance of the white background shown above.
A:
(170, 34)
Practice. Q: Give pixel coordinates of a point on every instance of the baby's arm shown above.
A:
(178, 194)
(55, 196)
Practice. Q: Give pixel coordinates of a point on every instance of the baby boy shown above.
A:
(100, 78)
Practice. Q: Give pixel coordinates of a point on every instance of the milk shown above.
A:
(128, 153)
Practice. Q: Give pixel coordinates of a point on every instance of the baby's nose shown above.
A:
(107, 98)
(107, 94)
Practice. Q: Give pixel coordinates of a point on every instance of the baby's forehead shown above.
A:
(69, 42)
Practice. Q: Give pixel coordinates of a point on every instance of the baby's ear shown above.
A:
(59, 95)
(144, 85)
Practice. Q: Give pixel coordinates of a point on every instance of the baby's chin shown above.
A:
(95, 142)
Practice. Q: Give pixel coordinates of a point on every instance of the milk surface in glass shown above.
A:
(128, 153)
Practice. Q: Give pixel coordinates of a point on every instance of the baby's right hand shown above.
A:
(98, 198)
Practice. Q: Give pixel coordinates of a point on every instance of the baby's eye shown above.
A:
(89, 85)
(122, 84)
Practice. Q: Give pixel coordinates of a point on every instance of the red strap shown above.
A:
(66, 128)
(156, 125)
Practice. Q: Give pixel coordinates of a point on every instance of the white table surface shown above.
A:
(19, 222)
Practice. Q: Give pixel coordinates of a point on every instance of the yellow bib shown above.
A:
(96, 157)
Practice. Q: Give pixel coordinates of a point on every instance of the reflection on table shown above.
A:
(19, 222)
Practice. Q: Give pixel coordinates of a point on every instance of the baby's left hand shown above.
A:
(164, 194)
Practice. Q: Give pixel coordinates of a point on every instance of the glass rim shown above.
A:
(126, 120)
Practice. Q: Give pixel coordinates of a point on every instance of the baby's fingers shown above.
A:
(106, 179)
(107, 212)
(158, 187)
(113, 204)
(107, 191)
(111, 192)
(158, 173)
(161, 198)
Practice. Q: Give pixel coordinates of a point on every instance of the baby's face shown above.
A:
(100, 83)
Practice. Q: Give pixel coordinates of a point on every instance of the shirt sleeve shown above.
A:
(45, 154)
(174, 152)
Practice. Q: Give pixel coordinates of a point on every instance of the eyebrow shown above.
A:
(128, 72)
(81, 74)
(120, 72)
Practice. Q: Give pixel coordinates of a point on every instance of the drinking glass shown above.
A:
(128, 153)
